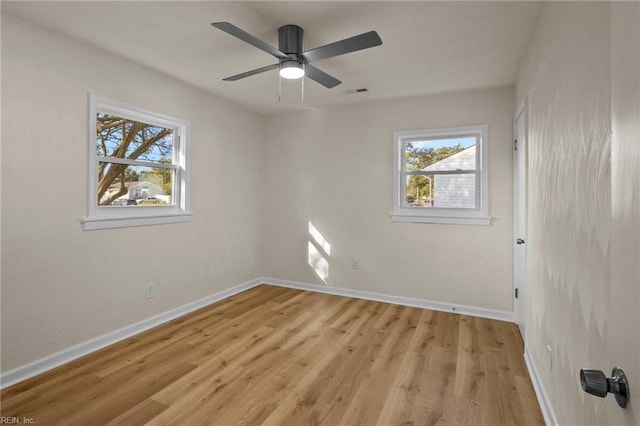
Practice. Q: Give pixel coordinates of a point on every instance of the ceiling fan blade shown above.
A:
(320, 76)
(252, 72)
(348, 45)
(248, 38)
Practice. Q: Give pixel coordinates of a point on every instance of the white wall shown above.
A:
(61, 285)
(566, 79)
(333, 167)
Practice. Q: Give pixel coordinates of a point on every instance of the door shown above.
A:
(623, 330)
(520, 217)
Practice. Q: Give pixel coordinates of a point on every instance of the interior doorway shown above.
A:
(520, 146)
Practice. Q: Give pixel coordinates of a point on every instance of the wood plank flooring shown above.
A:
(280, 356)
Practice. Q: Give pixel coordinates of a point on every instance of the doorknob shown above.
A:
(519, 241)
(596, 383)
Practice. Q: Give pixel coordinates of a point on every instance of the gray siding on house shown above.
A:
(455, 191)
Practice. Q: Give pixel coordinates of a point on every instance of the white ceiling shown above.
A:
(428, 47)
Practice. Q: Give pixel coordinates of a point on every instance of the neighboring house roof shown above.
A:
(463, 160)
(134, 185)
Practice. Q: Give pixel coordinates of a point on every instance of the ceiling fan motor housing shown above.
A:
(290, 40)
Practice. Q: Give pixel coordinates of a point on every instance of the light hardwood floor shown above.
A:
(279, 356)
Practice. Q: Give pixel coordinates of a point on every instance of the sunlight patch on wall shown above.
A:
(318, 263)
(319, 250)
(317, 237)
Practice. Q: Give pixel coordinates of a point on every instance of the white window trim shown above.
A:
(120, 217)
(478, 216)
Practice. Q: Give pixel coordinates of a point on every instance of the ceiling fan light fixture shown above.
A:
(291, 70)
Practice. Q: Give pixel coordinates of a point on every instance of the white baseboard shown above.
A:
(543, 399)
(398, 300)
(54, 360)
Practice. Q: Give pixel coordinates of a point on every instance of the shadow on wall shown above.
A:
(319, 252)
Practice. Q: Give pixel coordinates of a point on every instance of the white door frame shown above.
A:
(521, 147)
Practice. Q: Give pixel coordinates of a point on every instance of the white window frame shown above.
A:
(104, 217)
(477, 216)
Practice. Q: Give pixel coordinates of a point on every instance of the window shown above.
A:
(137, 167)
(440, 176)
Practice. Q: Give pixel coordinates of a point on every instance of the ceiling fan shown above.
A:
(293, 62)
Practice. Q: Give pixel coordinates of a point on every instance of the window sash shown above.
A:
(175, 151)
(477, 198)
(432, 138)
(142, 163)
(151, 118)
(175, 175)
(440, 137)
(441, 172)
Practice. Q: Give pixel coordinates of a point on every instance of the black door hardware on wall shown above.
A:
(519, 241)
(596, 383)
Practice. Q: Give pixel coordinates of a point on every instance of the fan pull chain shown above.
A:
(279, 86)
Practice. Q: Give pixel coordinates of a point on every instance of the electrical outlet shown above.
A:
(549, 358)
(151, 290)
(355, 264)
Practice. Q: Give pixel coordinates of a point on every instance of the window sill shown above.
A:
(92, 224)
(485, 221)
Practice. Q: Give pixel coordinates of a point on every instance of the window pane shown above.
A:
(419, 191)
(123, 138)
(122, 185)
(454, 191)
(441, 154)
